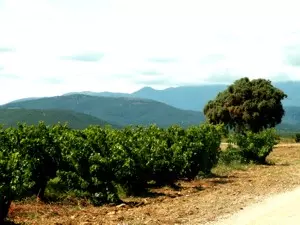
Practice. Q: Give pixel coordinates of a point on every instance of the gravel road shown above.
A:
(281, 209)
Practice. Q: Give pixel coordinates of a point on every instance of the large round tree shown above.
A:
(247, 105)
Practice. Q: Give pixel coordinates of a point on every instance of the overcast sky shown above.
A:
(50, 47)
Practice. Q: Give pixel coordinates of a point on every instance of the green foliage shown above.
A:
(36, 145)
(163, 155)
(247, 105)
(14, 175)
(252, 146)
(230, 155)
(95, 162)
(297, 137)
(130, 148)
(203, 147)
(85, 168)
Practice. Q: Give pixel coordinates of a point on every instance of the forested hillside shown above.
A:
(10, 117)
(121, 111)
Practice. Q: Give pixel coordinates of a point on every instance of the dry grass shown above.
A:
(287, 140)
(195, 202)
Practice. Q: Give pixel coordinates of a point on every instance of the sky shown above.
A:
(51, 47)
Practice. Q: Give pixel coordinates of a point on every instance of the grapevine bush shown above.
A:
(96, 162)
(255, 147)
(14, 173)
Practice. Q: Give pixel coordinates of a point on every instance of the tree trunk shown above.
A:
(4, 208)
(41, 193)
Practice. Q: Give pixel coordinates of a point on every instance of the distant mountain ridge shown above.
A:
(24, 99)
(179, 97)
(178, 105)
(195, 97)
(10, 117)
(116, 110)
(189, 97)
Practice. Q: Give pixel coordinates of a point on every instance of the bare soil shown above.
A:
(196, 202)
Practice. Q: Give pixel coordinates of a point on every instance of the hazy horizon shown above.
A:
(51, 47)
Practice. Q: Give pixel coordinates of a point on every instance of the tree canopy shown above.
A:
(247, 105)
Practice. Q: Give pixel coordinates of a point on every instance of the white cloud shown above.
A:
(183, 42)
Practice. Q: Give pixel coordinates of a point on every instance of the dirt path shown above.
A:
(279, 209)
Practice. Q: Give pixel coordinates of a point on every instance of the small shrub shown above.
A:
(297, 138)
(255, 146)
(85, 168)
(203, 147)
(230, 155)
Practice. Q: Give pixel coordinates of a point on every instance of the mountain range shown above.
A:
(115, 110)
(195, 97)
(179, 105)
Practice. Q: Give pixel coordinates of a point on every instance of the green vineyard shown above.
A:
(95, 163)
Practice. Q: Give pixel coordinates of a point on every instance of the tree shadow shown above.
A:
(167, 184)
(272, 163)
(9, 222)
(199, 188)
(214, 175)
(222, 181)
(151, 194)
(213, 179)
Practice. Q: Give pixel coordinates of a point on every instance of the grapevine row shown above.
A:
(95, 162)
